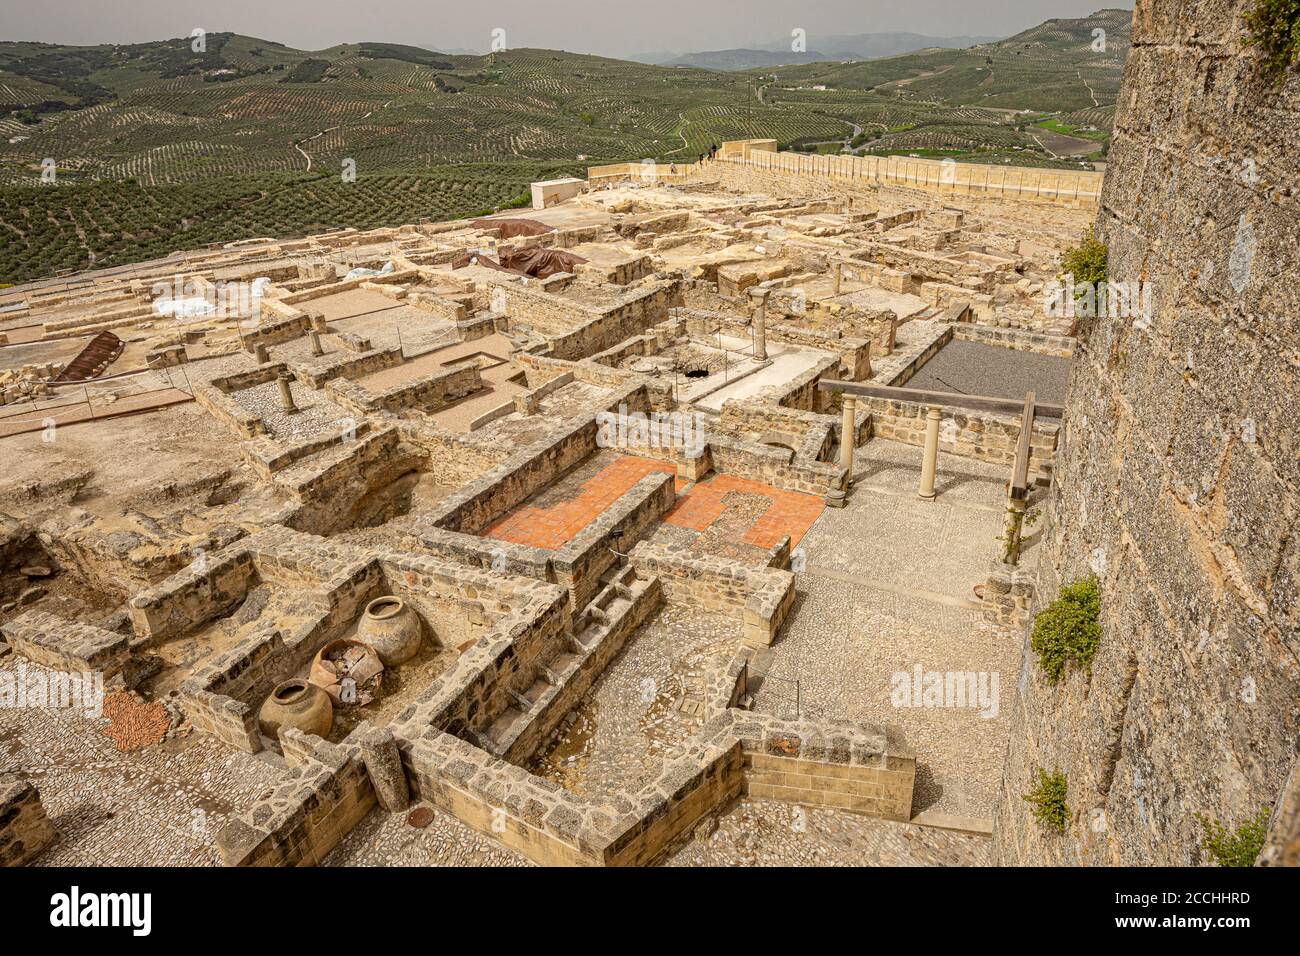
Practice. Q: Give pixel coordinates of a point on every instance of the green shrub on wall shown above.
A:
(1238, 847)
(1088, 262)
(1069, 629)
(1274, 27)
(1048, 800)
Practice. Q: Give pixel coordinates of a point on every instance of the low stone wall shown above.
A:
(505, 662)
(574, 330)
(789, 312)
(1040, 343)
(267, 456)
(761, 597)
(215, 399)
(456, 604)
(477, 505)
(452, 459)
(579, 565)
(439, 306)
(600, 635)
(222, 697)
(306, 815)
(749, 418)
(802, 391)
(553, 827)
(342, 481)
(778, 467)
(900, 368)
(983, 436)
(276, 331)
(429, 393)
(617, 323)
(66, 645)
(825, 764)
(25, 830)
(541, 368)
(317, 373)
(190, 598)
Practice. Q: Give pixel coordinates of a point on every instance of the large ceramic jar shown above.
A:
(296, 703)
(391, 629)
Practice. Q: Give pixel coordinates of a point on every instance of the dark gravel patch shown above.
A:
(975, 368)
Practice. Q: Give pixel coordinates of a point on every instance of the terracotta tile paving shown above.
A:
(790, 512)
(698, 506)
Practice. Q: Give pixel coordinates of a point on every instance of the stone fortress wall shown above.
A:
(1178, 475)
(1063, 187)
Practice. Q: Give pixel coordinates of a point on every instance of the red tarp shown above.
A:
(535, 261)
(538, 262)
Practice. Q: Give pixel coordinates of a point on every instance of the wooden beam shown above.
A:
(1020, 472)
(984, 403)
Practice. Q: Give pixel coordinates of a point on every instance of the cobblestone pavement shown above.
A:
(765, 833)
(386, 839)
(315, 413)
(630, 722)
(886, 587)
(160, 806)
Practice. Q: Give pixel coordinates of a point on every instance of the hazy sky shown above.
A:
(608, 27)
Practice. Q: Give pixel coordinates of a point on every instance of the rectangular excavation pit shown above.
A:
(260, 612)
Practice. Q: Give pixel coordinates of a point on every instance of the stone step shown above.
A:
(504, 723)
(538, 688)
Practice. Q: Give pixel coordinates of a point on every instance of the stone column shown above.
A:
(760, 328)
(838, 276)
(384, 765)
(318, 322)
(286, 393)
(316, 348)
(848, 433)
(263, 356)
(931, 459)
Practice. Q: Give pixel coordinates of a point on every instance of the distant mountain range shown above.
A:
(159, 147)
(861, 46)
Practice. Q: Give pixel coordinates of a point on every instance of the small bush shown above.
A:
(1274, 27)
(1087, 262)
(1068, 629)
(1048, 800)
(1235, 848)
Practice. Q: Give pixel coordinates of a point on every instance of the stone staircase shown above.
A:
(626, 599)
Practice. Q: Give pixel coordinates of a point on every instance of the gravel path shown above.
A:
(976, 368)
(764, 833)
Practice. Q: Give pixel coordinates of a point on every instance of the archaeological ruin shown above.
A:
(698, 515)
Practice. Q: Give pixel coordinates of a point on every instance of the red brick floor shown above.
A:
(698, 506)
(790, 513)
